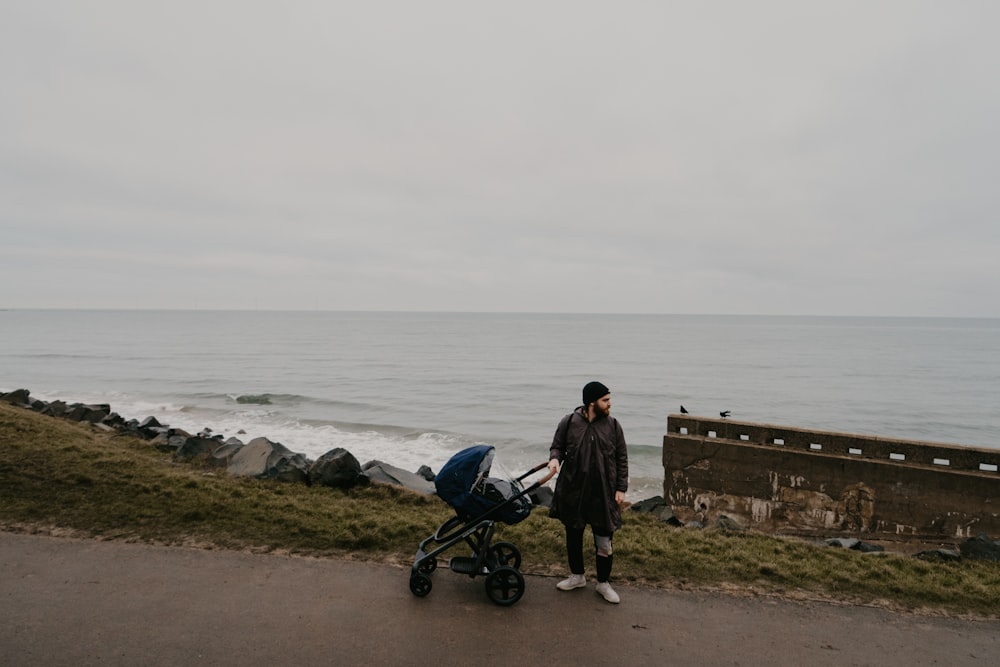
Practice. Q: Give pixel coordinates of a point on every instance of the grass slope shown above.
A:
(57, 476)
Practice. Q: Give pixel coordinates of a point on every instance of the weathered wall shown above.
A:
(796, 481)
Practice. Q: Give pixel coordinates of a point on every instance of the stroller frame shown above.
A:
(497, 561)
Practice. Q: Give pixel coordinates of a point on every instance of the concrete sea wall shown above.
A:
(797, 481)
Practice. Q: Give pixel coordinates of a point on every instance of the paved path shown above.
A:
(83, 602)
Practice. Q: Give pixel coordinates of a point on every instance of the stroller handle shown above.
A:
(536, 469)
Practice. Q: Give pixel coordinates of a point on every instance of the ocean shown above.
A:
(412, 389)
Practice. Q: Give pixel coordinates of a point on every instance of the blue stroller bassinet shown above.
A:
(479, 502)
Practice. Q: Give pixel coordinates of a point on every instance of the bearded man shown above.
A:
(590, 454)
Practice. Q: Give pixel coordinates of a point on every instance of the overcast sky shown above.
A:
(830, 158)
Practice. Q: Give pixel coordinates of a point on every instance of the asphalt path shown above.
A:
(88, 602)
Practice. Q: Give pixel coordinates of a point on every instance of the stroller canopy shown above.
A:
(464, 483)
(462, 471)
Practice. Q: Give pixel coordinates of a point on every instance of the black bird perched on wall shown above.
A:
(683, 410)
(724, 414)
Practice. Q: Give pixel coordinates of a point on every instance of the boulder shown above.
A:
(654, 504)
(194, 447)
(841, 542)
(16, 397)
(55, 409)
(173, 442)
(336, 468)
(668, 517)
(980, 547)
(223, 455)
(150, 422)
(87, 413)
(728, 524)
(426, 473)
(161, 441)
(541, 497)
(149, 428)
(377, 471)
(264, 459)
(114, 420)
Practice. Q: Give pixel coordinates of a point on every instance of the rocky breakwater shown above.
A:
(260, 457)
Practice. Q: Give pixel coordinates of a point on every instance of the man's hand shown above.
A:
(554, 465)
(619, 496)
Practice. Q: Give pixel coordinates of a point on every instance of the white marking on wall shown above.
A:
(760, 510)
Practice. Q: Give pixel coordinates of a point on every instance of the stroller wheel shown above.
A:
(507, 554)
(504, 586)
(420, 585)
(428, 566)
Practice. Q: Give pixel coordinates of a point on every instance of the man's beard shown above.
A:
(601, 412)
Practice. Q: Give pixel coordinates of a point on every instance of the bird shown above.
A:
(683, 410)
(724, 414)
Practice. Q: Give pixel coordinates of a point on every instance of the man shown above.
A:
(593, 477)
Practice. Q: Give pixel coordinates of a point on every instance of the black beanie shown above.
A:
(593, 391)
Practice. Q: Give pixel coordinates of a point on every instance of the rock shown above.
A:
(114, 420)
(337, 468)
(695, 525)
(264, 459)
(87, 413)
(223, 455)
(541, 497)
(149, 428)
(426, 473)
(377, 471)
(150, 422)
(654, 504)
(980, 547)
(868, 547)
(194, 447)
(841, 542)
(55, 409)
(174, 443)
(16, 397)
(667, 516)
(161, 441)
(728, 524)
(939, 555)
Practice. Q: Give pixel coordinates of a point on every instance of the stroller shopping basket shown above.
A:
(479, 501)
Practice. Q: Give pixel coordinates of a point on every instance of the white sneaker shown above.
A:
(604, 590)
(574, 581)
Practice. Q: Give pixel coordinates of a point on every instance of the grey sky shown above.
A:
(679, 157)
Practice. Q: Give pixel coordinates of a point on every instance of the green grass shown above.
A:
(62, 477)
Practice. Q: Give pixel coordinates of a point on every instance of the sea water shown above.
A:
(412, 389)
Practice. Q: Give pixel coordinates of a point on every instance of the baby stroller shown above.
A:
(479, 501)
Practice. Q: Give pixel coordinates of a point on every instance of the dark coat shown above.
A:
(594, 460)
